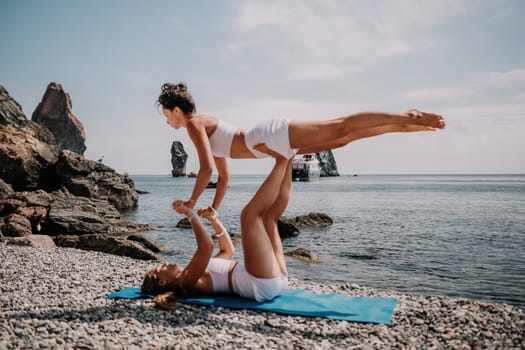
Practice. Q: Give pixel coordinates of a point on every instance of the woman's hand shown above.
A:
(190, 203)
(181, 208)
(208, 213)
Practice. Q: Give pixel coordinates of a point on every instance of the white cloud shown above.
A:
(438, 94)
(504, 78)
(481, 86)
(313, 39)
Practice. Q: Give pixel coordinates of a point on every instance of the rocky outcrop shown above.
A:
(59, 213)
(87, 178)
(327, 163)
(287, 228)
(54, 112)
(10, 111)
(178, 159)
(148, 243)
(290, 227)
(5, 189)
(107, 244)
(47, 192)
(27, 156)
(303, 254)
(311, 220)
(37, 241)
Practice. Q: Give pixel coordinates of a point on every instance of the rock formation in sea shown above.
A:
(327, 163)
(55, 112)
(46, 190)
(178, 159)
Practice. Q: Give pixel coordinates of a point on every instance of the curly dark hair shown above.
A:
(176, 95)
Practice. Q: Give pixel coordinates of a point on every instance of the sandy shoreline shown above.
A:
(56, 299)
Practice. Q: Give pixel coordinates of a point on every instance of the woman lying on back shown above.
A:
(262, 274)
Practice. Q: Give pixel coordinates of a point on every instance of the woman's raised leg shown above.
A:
(361, 134)
(259, 257)
(319, 133)
(273, 214)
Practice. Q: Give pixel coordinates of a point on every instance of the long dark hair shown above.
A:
(165, 297)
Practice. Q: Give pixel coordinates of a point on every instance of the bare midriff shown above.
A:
(238, 148)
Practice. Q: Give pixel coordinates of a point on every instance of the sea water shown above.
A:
(453, 235)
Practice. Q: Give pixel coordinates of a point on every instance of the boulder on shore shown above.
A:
(48, 188)
(312, 220)
(91, 179)
(106, 244)
(303, 254)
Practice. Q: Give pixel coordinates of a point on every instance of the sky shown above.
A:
(247, 61)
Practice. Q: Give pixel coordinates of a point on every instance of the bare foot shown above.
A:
(416, 127)
(427, 119)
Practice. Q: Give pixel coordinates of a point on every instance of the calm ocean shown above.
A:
(454, 235)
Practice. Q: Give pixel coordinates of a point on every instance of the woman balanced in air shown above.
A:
(262, 274)
(216, 140)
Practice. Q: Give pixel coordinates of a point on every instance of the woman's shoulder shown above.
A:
(205, 120)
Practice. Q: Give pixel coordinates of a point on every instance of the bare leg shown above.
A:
(259, 257)
(361, 134)
(274, 213)
(305, 134)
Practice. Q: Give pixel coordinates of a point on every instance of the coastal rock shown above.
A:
(27, 156)
(10, 111)
(5, 189)
(178, 159)
(106, 244)
(87, 178)
(183, 223)
(33, 206)
(45, 191)
(327, 163)
(37, 241)
(69, 214)
(27, 149)
(287, 228)
(312, 220)
(16, 225)
(147, 243)
(303, 254)
(54, 112)
(60, 212)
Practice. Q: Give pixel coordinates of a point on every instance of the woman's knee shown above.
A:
(270, 218)
(249, 214)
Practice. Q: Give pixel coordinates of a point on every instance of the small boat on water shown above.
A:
(305, 167)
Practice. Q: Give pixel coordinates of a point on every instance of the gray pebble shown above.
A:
(55, 298)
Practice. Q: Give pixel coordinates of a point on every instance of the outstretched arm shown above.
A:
(226, 248)
(201, 258)
(222, 181)
(198, 136)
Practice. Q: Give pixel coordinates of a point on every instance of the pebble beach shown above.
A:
(56, 299)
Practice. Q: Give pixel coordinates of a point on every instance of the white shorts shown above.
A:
(260, 289)
(273, 133)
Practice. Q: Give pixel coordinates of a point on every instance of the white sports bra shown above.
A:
(222, 138)
(218, 269)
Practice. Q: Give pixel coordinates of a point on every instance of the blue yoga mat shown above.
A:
(297, 302)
